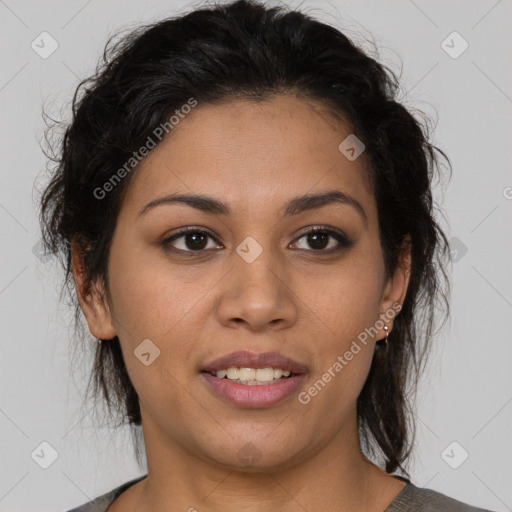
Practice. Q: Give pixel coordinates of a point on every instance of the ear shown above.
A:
(395, 288)
(92, 298)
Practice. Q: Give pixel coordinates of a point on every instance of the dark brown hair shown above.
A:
(247, 50)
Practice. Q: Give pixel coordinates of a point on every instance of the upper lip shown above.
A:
(248, 359)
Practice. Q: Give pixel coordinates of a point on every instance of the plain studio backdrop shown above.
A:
(457, 62)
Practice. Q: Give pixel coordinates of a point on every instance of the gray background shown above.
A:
(466, 393)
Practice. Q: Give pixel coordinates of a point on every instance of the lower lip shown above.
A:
(243, 395)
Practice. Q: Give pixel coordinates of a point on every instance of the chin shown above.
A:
(257, 456)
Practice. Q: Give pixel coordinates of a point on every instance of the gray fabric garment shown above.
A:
(410, 499)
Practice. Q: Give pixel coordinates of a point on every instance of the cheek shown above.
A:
(153, 317)
(156, 301)
(344, 353)
(347, 300)
(346, 306)
(150, 296)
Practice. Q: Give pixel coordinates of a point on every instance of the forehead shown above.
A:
(253, 155)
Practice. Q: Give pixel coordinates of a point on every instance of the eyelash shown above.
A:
(339, 236)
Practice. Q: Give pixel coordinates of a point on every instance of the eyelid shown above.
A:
(321, 227)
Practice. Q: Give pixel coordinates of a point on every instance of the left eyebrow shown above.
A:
(295, 206)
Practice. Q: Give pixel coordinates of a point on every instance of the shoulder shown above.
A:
(418, 499)
(101, 503)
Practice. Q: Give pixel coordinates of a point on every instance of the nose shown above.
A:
(257, 295)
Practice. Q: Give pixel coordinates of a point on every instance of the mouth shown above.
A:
(253, 376)
(254, 380)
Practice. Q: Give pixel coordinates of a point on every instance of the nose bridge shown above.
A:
(255, 291)
(257, 265)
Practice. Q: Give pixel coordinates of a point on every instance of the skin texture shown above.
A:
(293, 299)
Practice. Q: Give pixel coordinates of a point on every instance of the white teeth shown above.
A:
(247, 374)
(252, 376)
(232, 373)
(264, 374)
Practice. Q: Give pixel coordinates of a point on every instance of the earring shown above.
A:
(387, 334)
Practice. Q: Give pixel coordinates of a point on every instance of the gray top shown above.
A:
(410, 499)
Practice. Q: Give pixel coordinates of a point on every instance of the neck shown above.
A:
(336, 477)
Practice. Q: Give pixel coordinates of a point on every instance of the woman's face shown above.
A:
(253, 281)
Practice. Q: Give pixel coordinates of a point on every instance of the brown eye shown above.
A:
(325, 240)
(189, 240)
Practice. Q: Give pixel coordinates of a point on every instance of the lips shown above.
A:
(248, 359)
(251, 396)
